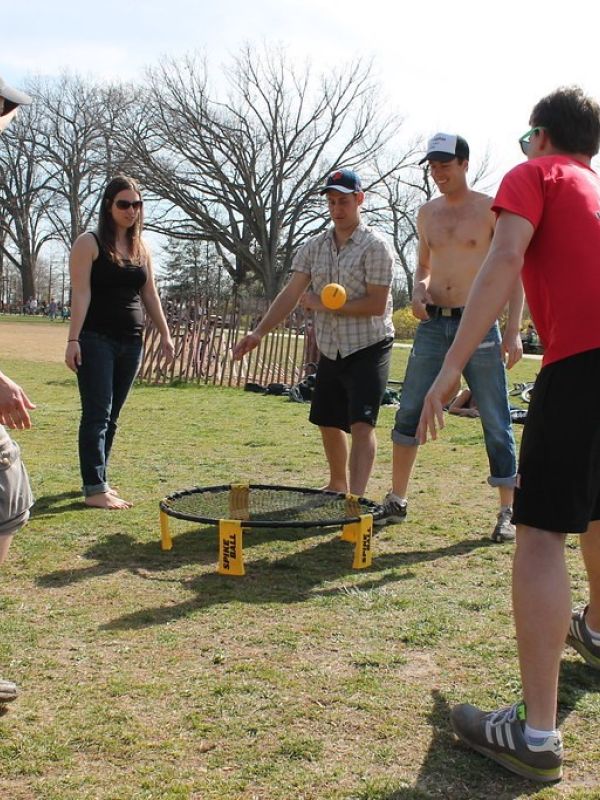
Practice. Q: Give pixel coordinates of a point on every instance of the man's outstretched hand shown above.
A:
(14, 405)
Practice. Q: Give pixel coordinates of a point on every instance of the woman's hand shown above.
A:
(73, 355)
(245, 345)
(167, 348)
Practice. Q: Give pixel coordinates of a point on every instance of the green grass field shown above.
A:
(147, 676)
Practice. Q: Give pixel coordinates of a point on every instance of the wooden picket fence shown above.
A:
(204, 340)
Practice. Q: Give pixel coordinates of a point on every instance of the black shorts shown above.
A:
(349, 390)
(558, 479)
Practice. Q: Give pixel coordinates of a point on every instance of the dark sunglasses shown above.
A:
(125, 204)
(525, 140)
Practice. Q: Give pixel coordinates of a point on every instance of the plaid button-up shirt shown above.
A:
(365, 258)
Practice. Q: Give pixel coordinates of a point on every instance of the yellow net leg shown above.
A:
(239, 498)
(166, 542)
(363, 557)
(350, 530)
(231, 556)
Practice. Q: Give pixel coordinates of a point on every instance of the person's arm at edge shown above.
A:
(280, 308)
(488, 295)
(14, 404)
(83, 252)
(154, 309)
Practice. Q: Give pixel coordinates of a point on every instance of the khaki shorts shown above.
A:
(15, 492)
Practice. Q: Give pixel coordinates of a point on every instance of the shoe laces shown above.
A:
(508, 714)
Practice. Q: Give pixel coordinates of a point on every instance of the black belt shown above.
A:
(442, 311)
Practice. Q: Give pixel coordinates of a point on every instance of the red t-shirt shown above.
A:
(560, 196)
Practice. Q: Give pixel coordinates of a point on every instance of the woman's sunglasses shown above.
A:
(125, 204)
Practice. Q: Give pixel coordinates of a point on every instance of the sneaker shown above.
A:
(8, 691)
(499, 735)
(504, 531)
(393, 511)
(579, 638)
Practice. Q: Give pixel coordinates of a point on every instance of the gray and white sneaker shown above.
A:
(499, 735)
(393, 510)
(8, 691)
(579, 638)
(504, 531)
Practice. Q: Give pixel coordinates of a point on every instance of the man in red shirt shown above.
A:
(549, 227)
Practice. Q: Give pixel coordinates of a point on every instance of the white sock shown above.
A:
(506, 508)
(396, 498)
(535, 736)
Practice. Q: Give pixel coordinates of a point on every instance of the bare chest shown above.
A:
(465, 229)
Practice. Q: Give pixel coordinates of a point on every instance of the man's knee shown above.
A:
(362, 431)
(537, 541)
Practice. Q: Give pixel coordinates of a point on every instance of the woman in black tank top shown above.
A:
(112, 284)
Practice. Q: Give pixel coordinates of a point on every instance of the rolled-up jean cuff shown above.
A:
(510, 481)
(404, 440)
(99, 488)
(11, 526)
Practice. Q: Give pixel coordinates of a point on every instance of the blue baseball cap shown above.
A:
(342, 180)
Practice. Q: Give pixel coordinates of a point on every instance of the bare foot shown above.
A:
(108, 500)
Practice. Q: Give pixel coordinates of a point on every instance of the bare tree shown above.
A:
(26, 197)
(75, 136)
(242, 170)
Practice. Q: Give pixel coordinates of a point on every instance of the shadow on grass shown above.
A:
(290, 579)
(452, 770)
(50, 504)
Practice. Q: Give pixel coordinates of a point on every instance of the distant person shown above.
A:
(455, 231)
(463, 404)
(549, 227)
(355, 342)
(52, 309)
(112, 282)
(16, 498)
(65, 313)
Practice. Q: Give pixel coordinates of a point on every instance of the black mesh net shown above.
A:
(268, 506)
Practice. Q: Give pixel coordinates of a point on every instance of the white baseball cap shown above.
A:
(445, 147)
(12, 97)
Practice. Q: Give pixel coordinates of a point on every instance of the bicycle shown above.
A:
(522, 390)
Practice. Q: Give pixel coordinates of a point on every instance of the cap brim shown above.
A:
(342, 189)
(14, 95)
(437, 155)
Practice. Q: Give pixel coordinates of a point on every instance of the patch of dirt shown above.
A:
(33, 341)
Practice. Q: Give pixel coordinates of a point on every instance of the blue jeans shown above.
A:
(486, 378)
(108, 369)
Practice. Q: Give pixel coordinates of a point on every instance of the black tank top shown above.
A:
(115, 306)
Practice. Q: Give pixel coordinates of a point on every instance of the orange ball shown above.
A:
(333, 296)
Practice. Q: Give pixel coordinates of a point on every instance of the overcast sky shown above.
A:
(466, 66)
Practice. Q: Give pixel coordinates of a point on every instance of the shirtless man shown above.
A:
(455, 231)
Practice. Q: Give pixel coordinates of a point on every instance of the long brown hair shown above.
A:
(107, 233)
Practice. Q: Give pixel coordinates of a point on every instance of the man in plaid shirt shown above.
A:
(355, 341)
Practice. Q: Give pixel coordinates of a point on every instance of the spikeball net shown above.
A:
(236, 507)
